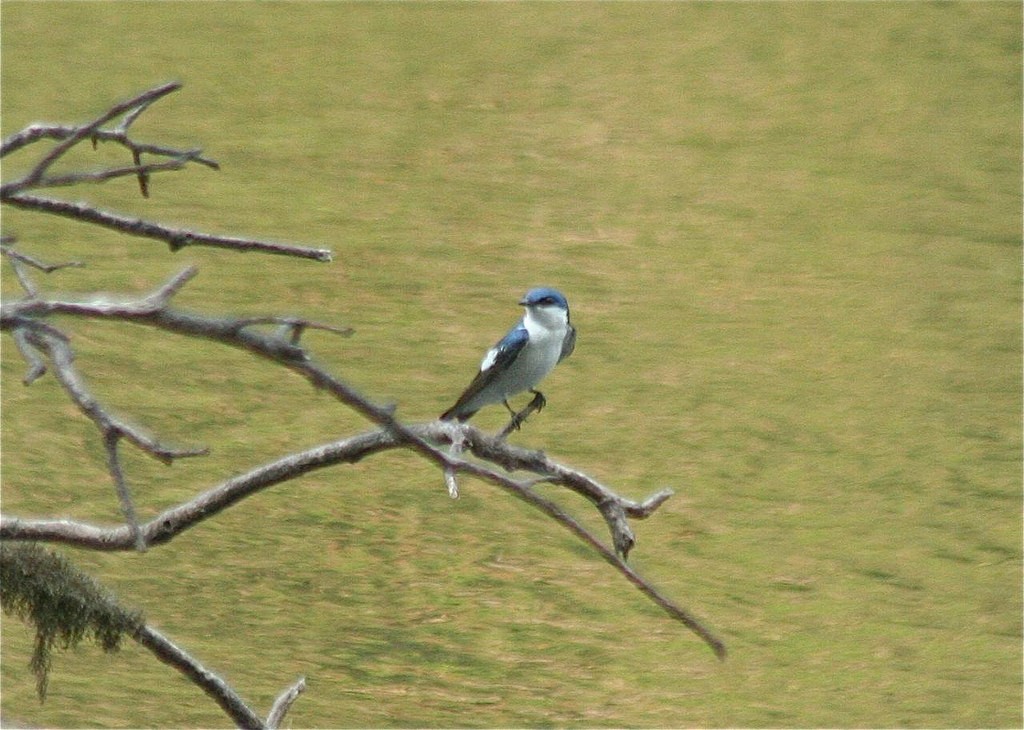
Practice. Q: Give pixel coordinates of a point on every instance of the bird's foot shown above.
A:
(538, 402)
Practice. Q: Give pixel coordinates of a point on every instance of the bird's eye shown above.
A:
(547, 300)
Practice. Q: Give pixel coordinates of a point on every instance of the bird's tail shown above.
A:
(454, 414)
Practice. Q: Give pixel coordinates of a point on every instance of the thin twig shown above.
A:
(101, 176)
(284, 703)
(216, 688)
(36, 132)
(35, 263)
(36, 364)
(43, 340)
(110, 441)
(86, 131)
(176, 238)
(18, 261)
(22, 275)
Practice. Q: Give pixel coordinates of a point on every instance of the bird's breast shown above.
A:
(536, 360)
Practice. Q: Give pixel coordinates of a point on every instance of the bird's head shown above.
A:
(547, 305)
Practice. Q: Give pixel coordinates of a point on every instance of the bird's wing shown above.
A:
(568, 344)
(495, 362)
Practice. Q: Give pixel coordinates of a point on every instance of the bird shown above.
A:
(522, 358)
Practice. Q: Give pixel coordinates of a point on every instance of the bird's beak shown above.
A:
(523, 302)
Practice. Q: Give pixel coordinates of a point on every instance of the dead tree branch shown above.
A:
(175, 238)
(176, 520)
(19, 261)
(216, 688)
(283, 703)
(66, 606)
(17, 192)
(457, 450)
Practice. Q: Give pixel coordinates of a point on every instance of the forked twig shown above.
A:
(216, 688)
(19, 261)
(283, 703)
(18, 192)
(80, 133)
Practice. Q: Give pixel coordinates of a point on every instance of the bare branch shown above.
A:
(18, 259)
(154, 311)
(110, 441)
(172, 522)
(135, 112)
(284, 703)
(614, 508)
(17, 193)
(62, 359)
(176, 520)
(613, 558)
(237, 332)
(119, 135)
(86, 131)
(176, 238)
(231, 331)
(71, 136)
(33, 340)
(36, 366)
(110, 173)
(23, 278)
(451, 479)
(46, 268)
(294, 327)
(216, 688)
(36, 132)
(67, 532)
(45, 347)
(176, 283)
(646, 508)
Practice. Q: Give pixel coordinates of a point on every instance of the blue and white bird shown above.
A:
(522, 358)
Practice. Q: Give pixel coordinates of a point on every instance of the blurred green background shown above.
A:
(791, 238)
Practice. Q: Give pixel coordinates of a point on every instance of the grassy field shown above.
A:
(791, 237)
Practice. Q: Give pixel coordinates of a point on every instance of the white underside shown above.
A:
(547, 327)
